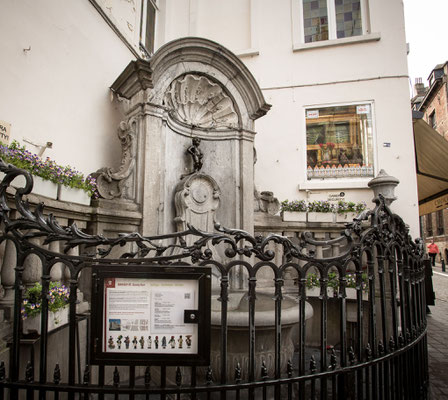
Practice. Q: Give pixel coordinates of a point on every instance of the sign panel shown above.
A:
(5, 132)
(151, 314)
(146, 316)
(312, 113)
(440, 203)
(363, 109)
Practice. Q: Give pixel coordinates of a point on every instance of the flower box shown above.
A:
(45, 188)
(73, 195)
(55, 320)
(320, 217)
(18, 182)
(41, 187)
(294, 216)
(346, 217)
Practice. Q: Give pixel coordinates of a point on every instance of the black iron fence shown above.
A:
(350, 326)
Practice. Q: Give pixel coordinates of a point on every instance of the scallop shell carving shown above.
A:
(194, 100)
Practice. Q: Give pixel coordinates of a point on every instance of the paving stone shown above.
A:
(437, 338)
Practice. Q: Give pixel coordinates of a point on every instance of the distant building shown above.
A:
(432, 102)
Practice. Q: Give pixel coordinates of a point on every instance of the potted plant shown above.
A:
(74, 188)
(320, 211)
(294, 211)
(58, 299)
(346, 211)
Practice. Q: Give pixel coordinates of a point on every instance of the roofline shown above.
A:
(437, 82)
(438, 66)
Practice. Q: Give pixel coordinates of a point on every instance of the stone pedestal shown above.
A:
(384, 184)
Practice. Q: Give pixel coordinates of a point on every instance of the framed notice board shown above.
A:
(150, 314)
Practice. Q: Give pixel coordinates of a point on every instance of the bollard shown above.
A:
(443, 265)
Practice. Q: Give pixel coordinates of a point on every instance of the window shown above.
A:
(432, 120)
(147, 27)
(315, 20)
(339, 141)
(332, 19)
(428, 225)
(439, 222)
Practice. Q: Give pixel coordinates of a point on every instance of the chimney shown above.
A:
(419, 87)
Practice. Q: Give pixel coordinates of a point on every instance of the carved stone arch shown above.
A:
(223, 118)
(226, 67)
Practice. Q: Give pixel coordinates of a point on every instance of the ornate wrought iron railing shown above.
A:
(371, 343)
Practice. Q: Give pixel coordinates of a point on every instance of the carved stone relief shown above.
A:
(195, 100)
(266, 202)
(197, 198)
(111, 182)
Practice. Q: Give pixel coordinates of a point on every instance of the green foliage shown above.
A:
(312, 280)
(296, 205)
(58, 297)
(323, 206)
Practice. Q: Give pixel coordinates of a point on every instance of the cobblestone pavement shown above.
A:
(437, 337)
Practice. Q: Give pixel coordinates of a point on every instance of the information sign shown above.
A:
(5, 132)
(152, 313)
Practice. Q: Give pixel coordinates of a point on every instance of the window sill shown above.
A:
(370, 37)
(247, 53)
(335, 184)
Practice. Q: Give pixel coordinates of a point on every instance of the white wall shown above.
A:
(125, 15)
(58, 91)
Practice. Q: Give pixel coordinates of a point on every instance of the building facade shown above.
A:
(339, 112)
(432, 102)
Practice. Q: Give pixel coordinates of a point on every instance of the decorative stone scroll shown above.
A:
(266, 202)
(195, 100)
(111, 181)
(197, 198)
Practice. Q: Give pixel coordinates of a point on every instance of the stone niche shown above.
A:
(190, 88)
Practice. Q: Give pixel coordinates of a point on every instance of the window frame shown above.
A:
(440, 225)
(147, 52)
(429, 226)
(299, 34)
(343, 182)
(432, 122)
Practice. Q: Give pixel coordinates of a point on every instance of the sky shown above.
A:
(426, 24)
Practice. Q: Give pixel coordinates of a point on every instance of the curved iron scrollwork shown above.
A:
(387, 313)
(384, 226)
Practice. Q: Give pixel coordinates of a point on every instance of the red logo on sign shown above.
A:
(110, 282)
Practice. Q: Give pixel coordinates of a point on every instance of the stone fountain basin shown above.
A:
(238, 332)
(238, 310)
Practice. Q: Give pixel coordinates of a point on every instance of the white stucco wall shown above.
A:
(125, 15)
(58, 91)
